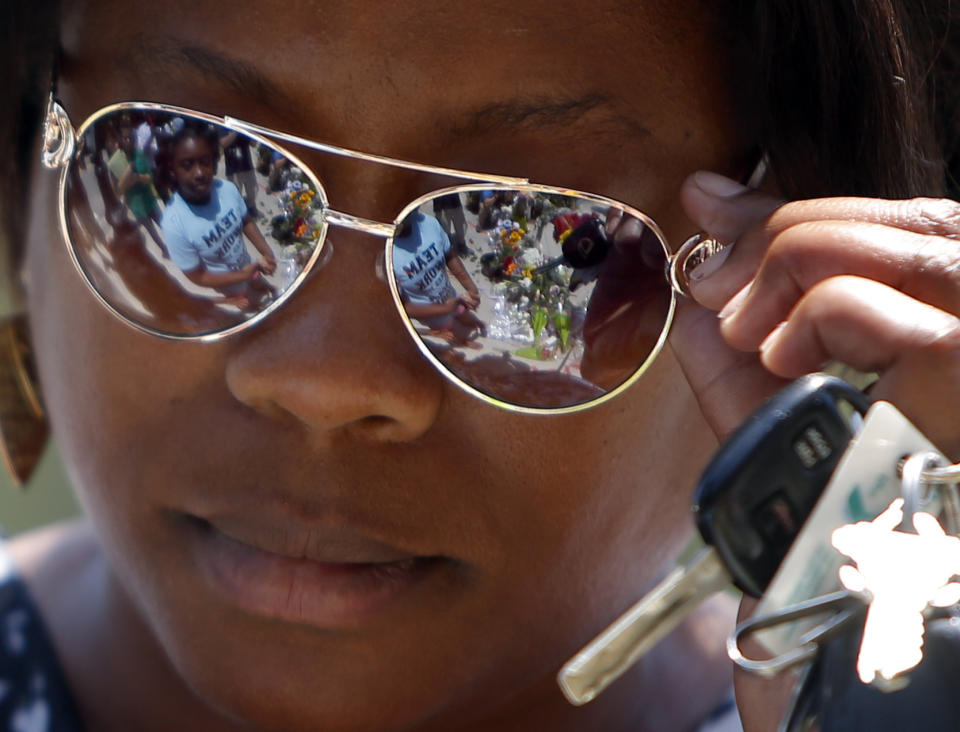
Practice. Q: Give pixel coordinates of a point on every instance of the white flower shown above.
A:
(532, 257)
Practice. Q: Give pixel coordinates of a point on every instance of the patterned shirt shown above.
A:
(34, 696)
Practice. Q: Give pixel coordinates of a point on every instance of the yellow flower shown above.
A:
(528, 272)
(515, 237)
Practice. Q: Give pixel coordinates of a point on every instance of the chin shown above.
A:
(296, 680)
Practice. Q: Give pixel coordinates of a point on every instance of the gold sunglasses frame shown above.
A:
(60, 145)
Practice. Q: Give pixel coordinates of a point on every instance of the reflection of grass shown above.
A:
(531, 352)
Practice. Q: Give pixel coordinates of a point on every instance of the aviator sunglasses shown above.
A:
(192, 227)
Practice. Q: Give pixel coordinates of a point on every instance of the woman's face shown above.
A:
(485, 547)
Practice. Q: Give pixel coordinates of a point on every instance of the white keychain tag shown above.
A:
(864, 485)
(904, 574)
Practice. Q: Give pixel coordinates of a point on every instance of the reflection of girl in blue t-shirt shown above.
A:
(421, 257)
(420, 262)
(206, 221)
(210, 233)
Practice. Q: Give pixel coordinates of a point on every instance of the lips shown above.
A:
(328, 577)
(289, 537)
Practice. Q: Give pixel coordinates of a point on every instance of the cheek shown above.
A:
(598, 505)
(105, 385)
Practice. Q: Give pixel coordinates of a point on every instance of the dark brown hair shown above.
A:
(847, 96)
(857, 97)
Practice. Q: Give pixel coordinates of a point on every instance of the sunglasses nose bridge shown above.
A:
(344, 220)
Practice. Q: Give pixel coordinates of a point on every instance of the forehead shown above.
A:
(191, 145)
(388, 24)
(533, 88)
(360, 53)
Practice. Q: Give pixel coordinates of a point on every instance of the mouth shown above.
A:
(333, 581)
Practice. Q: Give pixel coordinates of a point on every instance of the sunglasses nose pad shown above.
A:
(380, 268)
(323, 259)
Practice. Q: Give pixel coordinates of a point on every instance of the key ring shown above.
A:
(917, 490)
(947, 474)
(916, 493)
(846, 605)
(923, 470)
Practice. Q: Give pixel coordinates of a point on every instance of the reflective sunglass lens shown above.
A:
(535, 299)
(186, 227)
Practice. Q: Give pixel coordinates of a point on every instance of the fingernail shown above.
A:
(710, 265)
(734, 303)
(719, 186)
(772, 337)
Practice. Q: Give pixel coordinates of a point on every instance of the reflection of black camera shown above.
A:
(587, 245)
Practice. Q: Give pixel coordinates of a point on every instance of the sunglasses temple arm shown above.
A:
(347, 153)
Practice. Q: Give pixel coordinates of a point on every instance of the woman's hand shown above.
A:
(874, 284)
(871, 283)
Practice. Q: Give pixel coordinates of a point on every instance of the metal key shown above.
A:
(750, 504)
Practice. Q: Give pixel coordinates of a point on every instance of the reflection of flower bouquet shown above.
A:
(298, 224)
(541, 295)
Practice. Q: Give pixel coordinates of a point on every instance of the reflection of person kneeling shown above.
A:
(421, 257)
(205, 221)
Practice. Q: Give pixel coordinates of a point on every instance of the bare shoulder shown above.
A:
(56, 559)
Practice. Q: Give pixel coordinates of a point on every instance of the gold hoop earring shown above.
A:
(23, 421)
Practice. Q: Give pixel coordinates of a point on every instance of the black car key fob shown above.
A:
(763, 482)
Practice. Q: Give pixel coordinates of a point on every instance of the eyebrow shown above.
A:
(546, 111)
(534, 113)
(171, 55)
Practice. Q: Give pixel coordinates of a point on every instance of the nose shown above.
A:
(336, 358)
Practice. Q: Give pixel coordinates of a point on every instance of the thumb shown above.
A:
(724, 208)
(728, 384)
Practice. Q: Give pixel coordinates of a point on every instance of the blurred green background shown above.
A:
(45, 499)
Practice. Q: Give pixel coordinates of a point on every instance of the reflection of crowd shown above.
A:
(449, 212)
(238, 166)
(161, 174)
(133, 180)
